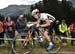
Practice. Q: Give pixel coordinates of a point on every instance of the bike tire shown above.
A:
(19, 50)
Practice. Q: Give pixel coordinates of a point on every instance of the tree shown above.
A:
(58, 9)
(1, 17)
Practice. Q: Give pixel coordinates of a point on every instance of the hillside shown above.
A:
(15, 10)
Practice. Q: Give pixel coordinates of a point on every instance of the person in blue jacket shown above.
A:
(21, 25)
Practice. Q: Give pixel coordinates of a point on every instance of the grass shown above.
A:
(37, 49)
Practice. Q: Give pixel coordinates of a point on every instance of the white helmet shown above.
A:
(21, 16)
(35, 11)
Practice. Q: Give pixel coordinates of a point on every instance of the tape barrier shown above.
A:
(16, 39)
(10, 39)
(67, 38)
(36, 38)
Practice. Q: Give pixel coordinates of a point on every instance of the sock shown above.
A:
(50, 43)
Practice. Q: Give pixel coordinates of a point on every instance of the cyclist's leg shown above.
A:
(47, 36)
(48, 33)
(51, 45)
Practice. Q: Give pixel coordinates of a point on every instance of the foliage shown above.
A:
(1, 18)
(58, 9)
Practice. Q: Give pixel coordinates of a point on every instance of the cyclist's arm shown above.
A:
(46, 24)
(36, 22)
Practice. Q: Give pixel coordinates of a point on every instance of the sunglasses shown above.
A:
(37, 12)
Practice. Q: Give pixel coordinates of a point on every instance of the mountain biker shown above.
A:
(47, 20)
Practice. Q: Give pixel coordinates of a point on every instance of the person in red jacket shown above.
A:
(72, 30)
(1, 34)
(9, 28)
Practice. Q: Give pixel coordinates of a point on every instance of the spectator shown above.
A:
(21, 25)
(1, 34)
(63, 29)
(72, 30)
(9, 28)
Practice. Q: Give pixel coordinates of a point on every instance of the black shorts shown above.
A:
(49, 29)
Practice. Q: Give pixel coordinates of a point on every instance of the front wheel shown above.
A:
(21, 49)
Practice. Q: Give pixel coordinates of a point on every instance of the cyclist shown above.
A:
(47, 19)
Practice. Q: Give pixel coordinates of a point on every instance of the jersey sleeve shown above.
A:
(44, 17)
(51, 17)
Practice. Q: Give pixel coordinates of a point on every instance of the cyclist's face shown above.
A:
(36, 16)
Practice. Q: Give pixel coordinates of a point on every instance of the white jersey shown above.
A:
(44, 16)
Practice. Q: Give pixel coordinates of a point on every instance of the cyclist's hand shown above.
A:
(37, 25)
(29, 25)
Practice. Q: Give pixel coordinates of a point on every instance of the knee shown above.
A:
(45, 33)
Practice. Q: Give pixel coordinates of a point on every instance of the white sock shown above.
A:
(50, 43)
(40, 36)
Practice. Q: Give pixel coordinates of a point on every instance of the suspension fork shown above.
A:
(27, 38)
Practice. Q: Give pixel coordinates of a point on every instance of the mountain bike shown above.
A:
(29, 41)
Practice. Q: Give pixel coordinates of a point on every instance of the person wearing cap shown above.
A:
(21, 25)
(47, 22)
(20, 22)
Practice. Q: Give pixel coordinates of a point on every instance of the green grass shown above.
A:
(37, 49)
